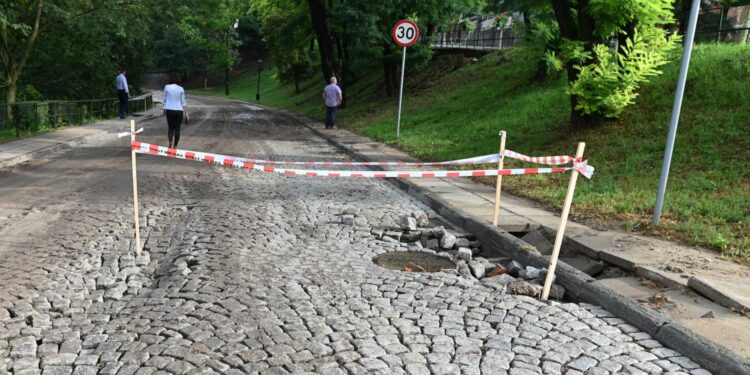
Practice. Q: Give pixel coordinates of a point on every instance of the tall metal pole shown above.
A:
(226, 70)
(688, 49)
(257, 92)
(401, 95)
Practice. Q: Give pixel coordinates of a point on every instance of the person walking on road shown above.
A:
(332, 97)
(174, 108)
(123, 93)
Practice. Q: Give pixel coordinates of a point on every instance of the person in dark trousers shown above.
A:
(123, 93)
(332, 96)
(174, 108)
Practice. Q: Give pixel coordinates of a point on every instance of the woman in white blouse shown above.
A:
(174, 108)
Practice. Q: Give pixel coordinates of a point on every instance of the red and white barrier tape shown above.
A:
(237, 162)
(125, 134)
(550, 160)
(474, 160)
(485, 159)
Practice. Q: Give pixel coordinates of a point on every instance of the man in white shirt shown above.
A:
(123, 94)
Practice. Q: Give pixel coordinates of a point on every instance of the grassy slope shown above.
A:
(452, 113)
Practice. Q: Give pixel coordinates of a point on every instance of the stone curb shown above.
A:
(579, 286)
(101, 135)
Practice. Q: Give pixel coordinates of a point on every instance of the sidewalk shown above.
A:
(23, 150)
(693, 286)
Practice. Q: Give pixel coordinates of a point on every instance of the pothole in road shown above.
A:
(414, 261)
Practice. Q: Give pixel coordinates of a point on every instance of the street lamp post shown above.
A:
(257, 92)
(229, 52)
(226, 69)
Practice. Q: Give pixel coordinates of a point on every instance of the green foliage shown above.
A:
(287, 32)
(79, 46)
(610, 48)
(83, 44)
(613, 15)
(198, 36)
(609, 84)
(360, 31)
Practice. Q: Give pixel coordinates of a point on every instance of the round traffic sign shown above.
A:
(405, 33)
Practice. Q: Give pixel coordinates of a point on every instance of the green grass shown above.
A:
(454, 109)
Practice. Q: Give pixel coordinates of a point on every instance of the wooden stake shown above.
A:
(135, 193)
(563, 223)
(499, 178)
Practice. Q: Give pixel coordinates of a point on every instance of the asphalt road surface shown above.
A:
(251, 272)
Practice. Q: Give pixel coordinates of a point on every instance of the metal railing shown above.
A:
(728, 24)
(490, 38)
(34, 117)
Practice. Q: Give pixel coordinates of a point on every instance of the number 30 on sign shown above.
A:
(405, 33)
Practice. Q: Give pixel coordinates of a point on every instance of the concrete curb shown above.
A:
(579, 286)
(100, 136)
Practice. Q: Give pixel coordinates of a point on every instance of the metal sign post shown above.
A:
(401, 95)
(405, 33)
(693, 20)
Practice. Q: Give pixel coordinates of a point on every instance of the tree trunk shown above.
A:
(586, 25)
(387, 79)
(12, 68)
(10, 98)
(430, 30)
(526, 25)
(295, 72)
(582, 28)
(684, 16)
(325, 44)
(343, 76)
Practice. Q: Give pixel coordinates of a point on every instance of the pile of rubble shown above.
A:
(504, 274)
(418, 236)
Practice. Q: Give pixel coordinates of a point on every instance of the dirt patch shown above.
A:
(414, 261)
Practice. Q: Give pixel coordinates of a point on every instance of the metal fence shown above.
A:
(33, 117)
(491, 38)
(489, 32)
(724, 24)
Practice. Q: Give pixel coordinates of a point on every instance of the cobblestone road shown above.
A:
(253, 273)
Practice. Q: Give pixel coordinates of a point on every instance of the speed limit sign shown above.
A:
(405, 33)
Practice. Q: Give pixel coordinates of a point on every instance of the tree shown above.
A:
(325, 43)
(198, 36)
(362, 29)
(608, 48)
(286, 30)
(80, 49)
(529, 9)
(69, 49)
(19, 30)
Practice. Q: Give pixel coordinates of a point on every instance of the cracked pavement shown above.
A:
(246, 272)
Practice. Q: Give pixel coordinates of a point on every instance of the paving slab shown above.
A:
(734, 293)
